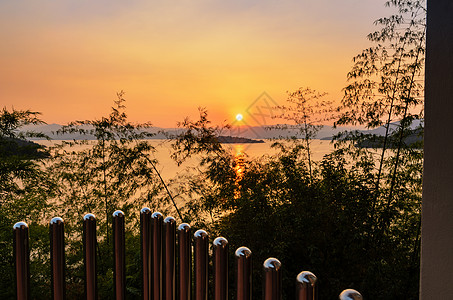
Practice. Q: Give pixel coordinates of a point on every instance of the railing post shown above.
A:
(89, 249)
(157, 224)
(119, 252)
(350, 294)
(57, 258)
(201, 244)
(306, 286)
(272, 279)
(244, 273)
(21, 260)
(169, 292)
(146, 251)
(185, 262)
(220, 249)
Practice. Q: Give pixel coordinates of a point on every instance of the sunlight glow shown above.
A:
(239, 117)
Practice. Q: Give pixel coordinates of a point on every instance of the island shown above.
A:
(237, 140)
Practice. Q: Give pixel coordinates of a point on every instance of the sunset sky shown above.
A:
(67, 59)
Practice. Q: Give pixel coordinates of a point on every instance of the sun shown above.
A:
(239, 117)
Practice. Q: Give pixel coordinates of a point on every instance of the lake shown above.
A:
(168, 167)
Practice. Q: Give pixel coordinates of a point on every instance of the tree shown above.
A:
(354, 218)
(386, 83)
(386, 89)
(319, 222)
(24, 188)
(200, 138)
(307, 111)
(115, 171)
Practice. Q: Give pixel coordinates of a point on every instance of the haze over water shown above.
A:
(169, 169)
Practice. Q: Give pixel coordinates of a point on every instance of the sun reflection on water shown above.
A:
(239, 167)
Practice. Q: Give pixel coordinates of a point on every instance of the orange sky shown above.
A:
(67, 59)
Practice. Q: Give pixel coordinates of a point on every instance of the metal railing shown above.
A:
(159, 241)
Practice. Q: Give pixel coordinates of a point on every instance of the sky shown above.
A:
(68, 59)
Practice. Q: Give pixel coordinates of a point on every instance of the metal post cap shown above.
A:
(56, 220)
(350, 294)
(200, 234)
(169, 219)
(88, 217)
(272, 263)
(157, 215)
(118, 213)
(220, 242)
(145, 210)
(183, 227)
(243, 252)
(20, 225)
(306, 277)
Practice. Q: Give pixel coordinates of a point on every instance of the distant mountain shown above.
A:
(274, 132)
(414, 139)
(51, 131)
(393, 126)
(248, 132)
(374, 138)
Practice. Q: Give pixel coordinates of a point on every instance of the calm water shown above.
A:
(168, 167)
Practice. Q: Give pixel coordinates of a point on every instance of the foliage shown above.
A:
(386, 89)
(115, 171)
(386, 79)
(24, 188)
(199, 138)
(352, 218)
(307, 111)
(322, 222)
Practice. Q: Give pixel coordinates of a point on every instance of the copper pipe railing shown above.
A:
(146, 251)
(272, 289)
(57, 258)
(185, 262)
(201, 244)
(119, 252)
(169, 291)
(306, 286)
(166, 273)
(220, 251)
(157, 224)
(90, 262)
(21, 260)
(243, 273)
